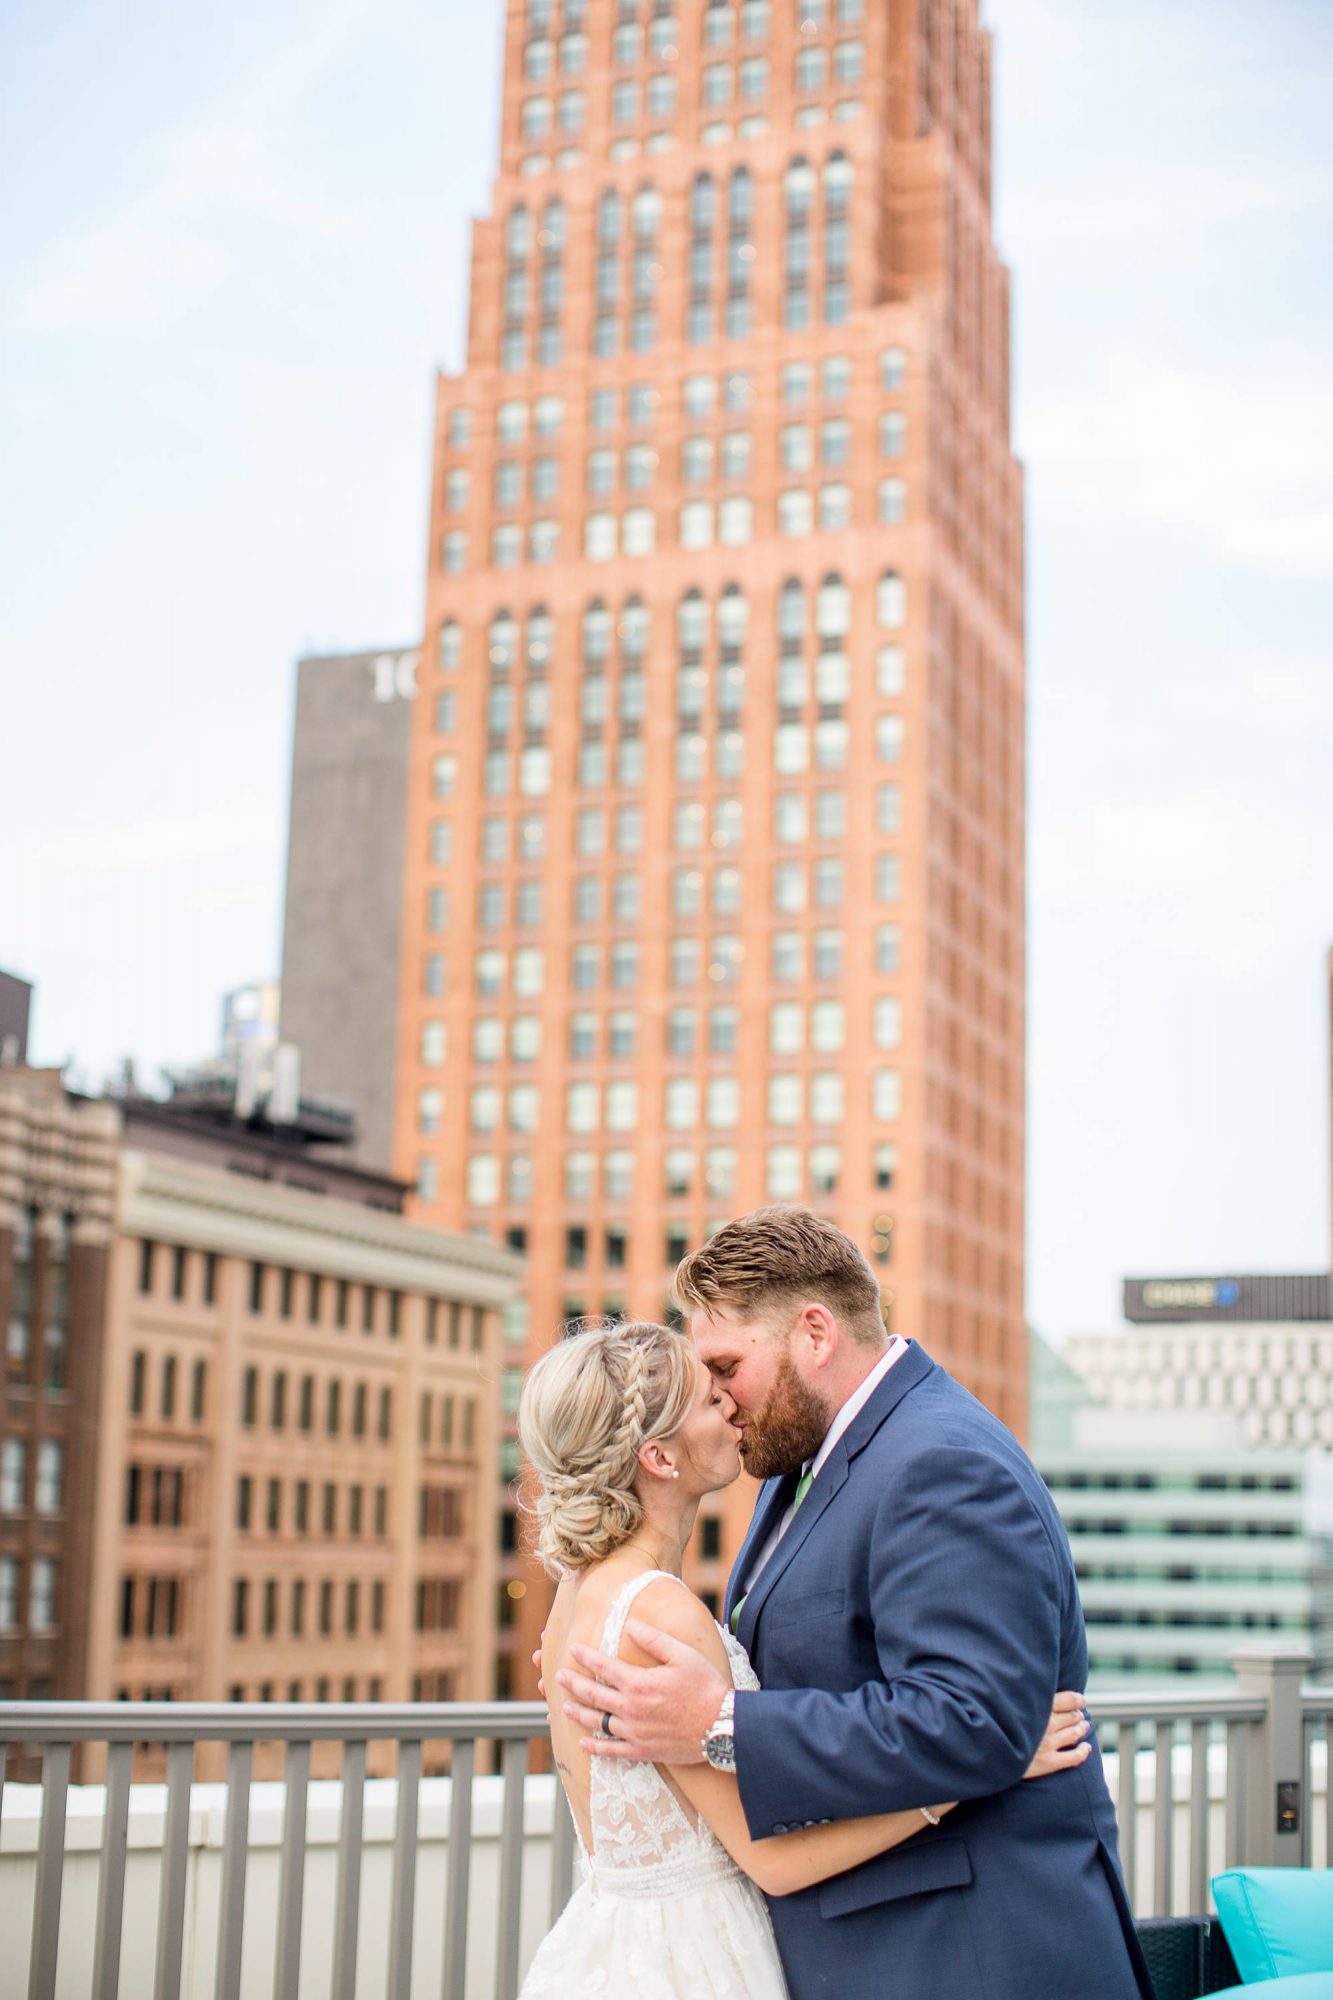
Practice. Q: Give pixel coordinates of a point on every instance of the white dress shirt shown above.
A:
(846, 1416)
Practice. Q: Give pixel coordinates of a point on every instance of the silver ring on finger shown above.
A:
(605, 1724)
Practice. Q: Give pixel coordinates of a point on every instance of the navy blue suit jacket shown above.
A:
(910, 1631)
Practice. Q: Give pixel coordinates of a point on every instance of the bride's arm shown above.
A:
(787, 1861)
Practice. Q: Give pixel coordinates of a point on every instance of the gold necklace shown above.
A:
(649, 1553)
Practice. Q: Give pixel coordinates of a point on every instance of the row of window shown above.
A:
(46, 1361)
(47, 1465)
(321, 1689)
(714, 132)
(691, 961)
(792, 1099)
(694, 618)
(791, 1028)
(699, 524)
(820, 884)
(791, 954)
(302, 1412)
(256, 1607)
(797, 747)
(155, 1496)
(661, 43)
(754, 15)
(374, 1308)
(792, 1173)
(656, 96)
(351, 1517)
(170, 1402)
(628, 271)
(702, 396)
(29, 1594)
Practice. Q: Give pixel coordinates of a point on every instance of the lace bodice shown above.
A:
(645, 1842)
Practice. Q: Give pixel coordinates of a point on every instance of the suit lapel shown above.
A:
(904, 1376)
(775, 1496)
(815, 1504)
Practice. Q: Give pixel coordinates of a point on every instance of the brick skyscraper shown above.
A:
(715, 849)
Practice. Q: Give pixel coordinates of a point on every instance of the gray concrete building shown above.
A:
(15, 1011)
(342, 920)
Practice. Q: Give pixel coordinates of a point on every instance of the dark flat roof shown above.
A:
(1244, 1296)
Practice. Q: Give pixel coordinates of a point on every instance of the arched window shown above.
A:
(703, 205)
(518, 248)
(833, 608)
(646, 214)
(451, 646)
(634, 628)
(610, 217)
(541, 631)
(740, 253)
(798, 190)
(692, 625)
(502, 640)
(791, 615)
(703, 220)
(838, 176)
(733, 615)
(551, 283)
(518, 234)
(891, 601)
(596, 633)
(554, 227)
(610, 225)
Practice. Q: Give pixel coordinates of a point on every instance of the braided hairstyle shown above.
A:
(587, 1409)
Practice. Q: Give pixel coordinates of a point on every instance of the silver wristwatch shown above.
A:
(719, 1745)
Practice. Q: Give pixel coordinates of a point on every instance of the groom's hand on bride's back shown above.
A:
(659, 1711)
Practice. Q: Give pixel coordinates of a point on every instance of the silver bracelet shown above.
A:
(931, 1819)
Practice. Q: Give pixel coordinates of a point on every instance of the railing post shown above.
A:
(1276, 1804)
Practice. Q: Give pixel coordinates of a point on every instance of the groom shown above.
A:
(907, 1597)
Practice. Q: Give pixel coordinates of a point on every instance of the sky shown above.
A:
(235, 241)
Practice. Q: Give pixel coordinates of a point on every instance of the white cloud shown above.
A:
(1240, 466)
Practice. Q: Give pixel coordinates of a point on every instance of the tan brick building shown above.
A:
(715, 850)
(284, 1395)
(57, 1205)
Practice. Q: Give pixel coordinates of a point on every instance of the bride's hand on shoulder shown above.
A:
(1066, 1739)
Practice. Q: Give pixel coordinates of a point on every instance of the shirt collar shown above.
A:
(858, 1399)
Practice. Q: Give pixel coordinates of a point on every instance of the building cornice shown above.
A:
(171, 1200)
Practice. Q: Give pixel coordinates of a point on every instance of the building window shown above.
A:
(886, 1095)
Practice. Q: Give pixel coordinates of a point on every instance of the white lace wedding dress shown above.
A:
(663, 1912)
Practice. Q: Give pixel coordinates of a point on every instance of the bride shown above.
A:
(627, 1433)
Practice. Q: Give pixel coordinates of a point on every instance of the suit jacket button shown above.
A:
(780, 1827)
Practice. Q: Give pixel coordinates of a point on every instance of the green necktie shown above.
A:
(803, 1485)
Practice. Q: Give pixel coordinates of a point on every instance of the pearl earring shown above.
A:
(675, 1472)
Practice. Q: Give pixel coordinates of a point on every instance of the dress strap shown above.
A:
(614, 1628)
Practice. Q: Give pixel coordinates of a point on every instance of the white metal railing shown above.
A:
(338, 1865)
(56, 1728)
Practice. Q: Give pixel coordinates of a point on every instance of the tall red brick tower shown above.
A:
(715, 852)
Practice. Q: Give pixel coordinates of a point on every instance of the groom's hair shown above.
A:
(776, 1257)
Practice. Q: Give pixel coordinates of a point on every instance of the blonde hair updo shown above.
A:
(587, 1409)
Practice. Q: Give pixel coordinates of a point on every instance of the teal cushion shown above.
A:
(1302, 1986)
(1278, 1921)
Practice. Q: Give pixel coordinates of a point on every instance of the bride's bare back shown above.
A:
(583, 1605)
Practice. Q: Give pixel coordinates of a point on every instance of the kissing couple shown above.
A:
(827, 1793)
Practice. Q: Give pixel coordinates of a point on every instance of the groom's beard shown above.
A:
(788, 1430)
